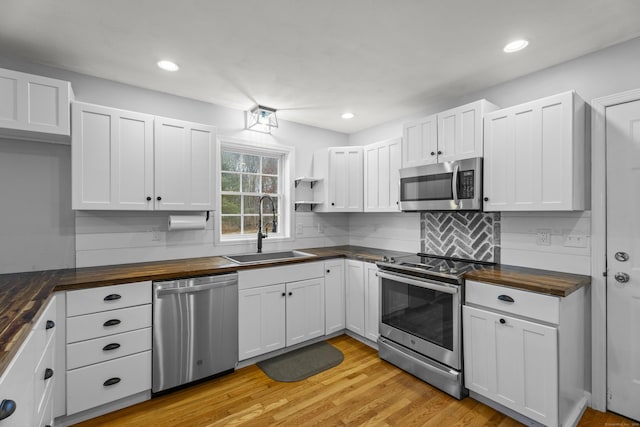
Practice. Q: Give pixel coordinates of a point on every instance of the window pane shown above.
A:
(251, 163)
(230, 204)
(230, 225)
(250, 183)
(230, 182)
(251, 204)
(250, 224)
(230, 161)
(269, 184)
(270, 165)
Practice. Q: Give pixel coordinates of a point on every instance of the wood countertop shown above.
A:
(530, 279)
(24, 295)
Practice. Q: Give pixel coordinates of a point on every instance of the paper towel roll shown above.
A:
(187, 222)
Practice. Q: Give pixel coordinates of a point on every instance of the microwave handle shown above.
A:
(454, 184)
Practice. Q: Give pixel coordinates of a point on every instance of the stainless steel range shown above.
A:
(421, 300)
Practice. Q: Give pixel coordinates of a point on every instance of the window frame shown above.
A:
(285, 206)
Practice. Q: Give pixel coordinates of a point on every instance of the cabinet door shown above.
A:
(334, 291)
(112, 158)
(16, 384)
(261, 320)
(305, 310)
(534, 156)
(420, 142)
(460, 132)
(513, 362)
(355, 296)
(382, 178)
(34, 103)
(346, 179)
(184, 165)
(372, 302)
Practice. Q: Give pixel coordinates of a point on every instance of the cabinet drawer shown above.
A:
(102, 349)
(112, 322)
(108, 298)
(527, 304)
(42, 384)
(44, 328)
(46, 414)
(248, 279)
(86, 386)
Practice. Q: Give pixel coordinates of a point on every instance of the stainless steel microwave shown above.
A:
(448, 186)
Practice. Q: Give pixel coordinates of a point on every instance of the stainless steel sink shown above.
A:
(260, 258)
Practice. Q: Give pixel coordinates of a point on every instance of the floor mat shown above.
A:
(302, 363)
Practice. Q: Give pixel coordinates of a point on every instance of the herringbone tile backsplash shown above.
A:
(469, 235)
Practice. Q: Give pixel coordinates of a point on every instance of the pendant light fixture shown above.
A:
(262, 119)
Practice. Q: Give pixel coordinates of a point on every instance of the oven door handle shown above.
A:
(440, 287)
(454, 184)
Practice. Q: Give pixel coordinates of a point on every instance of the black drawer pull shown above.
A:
(48, 373)
(50, 324)
(505, 298)
(111, 381)
(112, 346)
(112, 297)
(7, 407)
(503, 321)
(111, 322)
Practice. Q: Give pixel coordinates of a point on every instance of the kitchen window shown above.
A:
(246, 174)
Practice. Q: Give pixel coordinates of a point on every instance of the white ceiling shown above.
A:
(313, 60)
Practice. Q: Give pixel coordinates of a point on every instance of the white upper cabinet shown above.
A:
(341, 188)
(34, 107)
(112, 158)
(450, 135)
(382, 162)
(120, 162)
(535, 156)
(184, 165)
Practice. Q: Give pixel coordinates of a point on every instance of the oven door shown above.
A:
(423, 315)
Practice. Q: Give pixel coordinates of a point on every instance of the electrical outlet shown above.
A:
(543, 237)
(299, 229)
(575, 241)
(156, 237)
(320, 228)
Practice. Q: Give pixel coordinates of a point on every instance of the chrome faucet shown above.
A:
(274, 221)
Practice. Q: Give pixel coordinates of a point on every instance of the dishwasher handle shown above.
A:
(194, 289)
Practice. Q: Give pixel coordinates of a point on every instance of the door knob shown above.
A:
(621, 256)
(621, 277)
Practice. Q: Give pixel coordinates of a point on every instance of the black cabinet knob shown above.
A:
(433, 153)
(50, 324)
(486, 199)
(111, 322)
(48, 373)
(284, 294)
(7, 407)
(111, 381)
(158, 198)
(112, 297)
(111, 346)
(333, 204)
(328, 271)
(503, 321)
(148, 198)
(290, 293)
(439, 152)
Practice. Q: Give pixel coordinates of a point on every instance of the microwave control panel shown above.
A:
(467, 184)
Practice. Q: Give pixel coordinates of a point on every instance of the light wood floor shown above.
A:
(363, 390)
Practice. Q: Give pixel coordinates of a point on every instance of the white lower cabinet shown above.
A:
(334, 300)
(27, 383)
(362, 295)
(279, 307)
(534, 365)
(108, 348)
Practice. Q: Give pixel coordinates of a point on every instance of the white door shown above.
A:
(305, 310)
(623, 237)
(420, 142)
(261, 320)
(334, 296)
(184, 165)
(372, 302)
(355, 296)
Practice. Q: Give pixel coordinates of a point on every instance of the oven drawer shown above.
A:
(510, 300)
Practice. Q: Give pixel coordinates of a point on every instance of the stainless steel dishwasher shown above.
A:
(195, 329)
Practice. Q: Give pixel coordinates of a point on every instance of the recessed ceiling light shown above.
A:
(168, 65)
(515, 46)
(348, 116)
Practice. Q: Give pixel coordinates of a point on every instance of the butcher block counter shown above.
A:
(24, 295)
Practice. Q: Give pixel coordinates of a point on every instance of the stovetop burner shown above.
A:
(426, 265)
